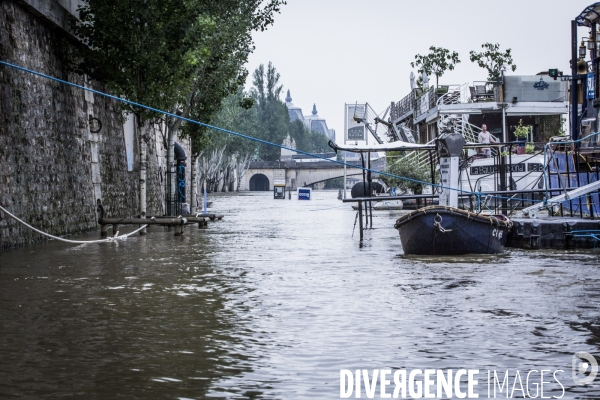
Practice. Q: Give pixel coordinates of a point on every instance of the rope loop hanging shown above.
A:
(110, 239)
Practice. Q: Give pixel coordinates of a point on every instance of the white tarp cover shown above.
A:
(398, 146)
(393, 146)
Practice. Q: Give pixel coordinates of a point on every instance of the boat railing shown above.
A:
(569, 177)
(470, 131)
(483, 91)
(528, 166)
(405, 106)
(571, 167)
(454, 94)
(566, 170)
(462, 126)
(566, 167)
(474, 202)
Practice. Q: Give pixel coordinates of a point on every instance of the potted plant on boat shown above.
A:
(521, 133)
(529, 148)
(407, 168)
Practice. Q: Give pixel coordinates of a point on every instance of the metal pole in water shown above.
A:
(345, 137)
(360, 221)
(369, 180)
(204, 183)
(143, 165)
(574, 86)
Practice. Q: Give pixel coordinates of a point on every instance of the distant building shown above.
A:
(312, 121)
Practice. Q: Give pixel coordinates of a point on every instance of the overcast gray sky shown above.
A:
(332, 52)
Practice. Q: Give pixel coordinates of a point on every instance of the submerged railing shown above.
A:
(173, 197)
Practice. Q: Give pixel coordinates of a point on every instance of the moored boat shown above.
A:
(388, 205)
(383, 205)
(444, 230)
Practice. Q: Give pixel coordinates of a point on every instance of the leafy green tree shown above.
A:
(143, 50)
(493, 60)
(438, 61)
(274, 121)
(308, 140)
(239, 115)
(398, 165)
(170, 53)
(260, 114)
(180, 56)
(221, 75)
(224, 72)
(272, 112)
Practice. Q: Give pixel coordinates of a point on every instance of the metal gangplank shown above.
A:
(556, 200)
(371, 121)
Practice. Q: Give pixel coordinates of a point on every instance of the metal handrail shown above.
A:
(454, 92)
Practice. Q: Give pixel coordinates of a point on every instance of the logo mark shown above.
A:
(584, 368)
(541, 85)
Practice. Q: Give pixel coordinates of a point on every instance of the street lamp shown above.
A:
(582, 50)
(591, 44)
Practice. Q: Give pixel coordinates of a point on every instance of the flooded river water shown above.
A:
(274, 300)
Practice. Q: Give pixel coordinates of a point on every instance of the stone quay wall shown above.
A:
(53, 168)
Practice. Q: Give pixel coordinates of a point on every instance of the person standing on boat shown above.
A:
(485, 137)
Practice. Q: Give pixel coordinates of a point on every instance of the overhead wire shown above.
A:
(169, 114)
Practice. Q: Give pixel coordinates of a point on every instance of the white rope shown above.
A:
(110, 239)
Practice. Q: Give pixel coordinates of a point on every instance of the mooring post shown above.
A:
(360, 223)
(100, 215)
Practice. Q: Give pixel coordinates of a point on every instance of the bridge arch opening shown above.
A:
(259, 183)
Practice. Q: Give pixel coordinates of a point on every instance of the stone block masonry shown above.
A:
(52, 167)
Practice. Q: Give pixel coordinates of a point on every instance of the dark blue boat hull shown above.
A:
(439, 230)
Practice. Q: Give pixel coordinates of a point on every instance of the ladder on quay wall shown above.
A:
(531, 211)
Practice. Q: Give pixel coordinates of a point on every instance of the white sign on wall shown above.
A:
(129, 132)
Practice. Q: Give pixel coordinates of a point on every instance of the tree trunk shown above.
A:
(143, 165)
(171, 165)
(242, 168)
(193, 185)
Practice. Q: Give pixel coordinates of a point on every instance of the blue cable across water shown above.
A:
(133, 103)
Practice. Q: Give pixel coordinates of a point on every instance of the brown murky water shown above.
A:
(273, 301)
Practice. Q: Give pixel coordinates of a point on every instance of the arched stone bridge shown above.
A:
(262, 174)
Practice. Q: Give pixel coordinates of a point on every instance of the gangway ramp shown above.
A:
(556, 200)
